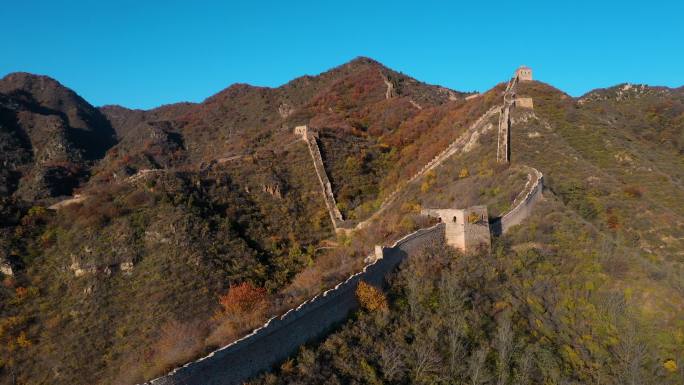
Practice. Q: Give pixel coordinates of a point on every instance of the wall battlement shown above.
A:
(282, 335)
(523, 209)
(523, 103)
(524, 73)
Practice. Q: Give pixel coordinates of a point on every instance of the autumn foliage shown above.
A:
(370, 297)
(243, 298)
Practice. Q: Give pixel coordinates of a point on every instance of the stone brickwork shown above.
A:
(282, 335)
(503, 151)
(523, 209)
(524, 103)
(503, 154)
(476, 229)
(465, 229)
(524, 73)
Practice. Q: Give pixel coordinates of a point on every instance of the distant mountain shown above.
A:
(50, 136)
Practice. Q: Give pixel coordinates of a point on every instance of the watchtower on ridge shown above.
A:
(466, 229)
(523, 73)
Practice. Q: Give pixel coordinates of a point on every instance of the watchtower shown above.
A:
(301, 131)
(523, 73)
(466, 229)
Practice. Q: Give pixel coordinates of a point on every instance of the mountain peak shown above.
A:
(363, 60)
(27, 81)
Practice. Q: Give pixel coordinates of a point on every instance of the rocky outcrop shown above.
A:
(77, 198)
(49, 137)
(6, 268)
(389, 93)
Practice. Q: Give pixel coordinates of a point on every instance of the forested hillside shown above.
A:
(172, 207)
(587, 291)
(183, 227)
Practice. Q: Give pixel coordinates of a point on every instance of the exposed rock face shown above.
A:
(80, 270)
(126, 267)
(285, 110)
(273, 190)
(6, 268)
(87, 129)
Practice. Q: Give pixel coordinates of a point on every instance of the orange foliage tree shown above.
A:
(243, 298)
(243, 307)
(370, 297)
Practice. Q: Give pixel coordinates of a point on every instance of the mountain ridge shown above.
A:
(191, 200)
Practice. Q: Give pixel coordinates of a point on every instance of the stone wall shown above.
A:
(476, 229)
(503, 152)
(523, 209)
(524, 103)
(524, 73)
(311, 140)
(465, 229)
(281, 336)
(457, 145)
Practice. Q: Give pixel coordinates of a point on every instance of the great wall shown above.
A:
(281, 336)
(311, 139)
(460, 144)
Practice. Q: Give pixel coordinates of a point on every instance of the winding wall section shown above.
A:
(523, 209)
(281, 336)
(330, 203)
(456, 146)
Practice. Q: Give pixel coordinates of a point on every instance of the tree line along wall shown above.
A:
(281, 336)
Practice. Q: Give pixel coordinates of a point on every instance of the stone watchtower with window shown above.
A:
(523, 73)
(466, 229)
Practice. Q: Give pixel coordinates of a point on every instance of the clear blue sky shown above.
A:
(146, 53)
